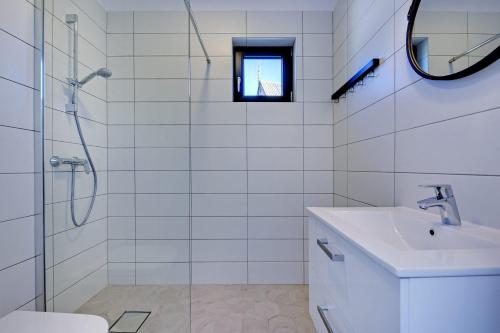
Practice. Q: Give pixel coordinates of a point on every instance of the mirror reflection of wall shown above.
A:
(451, 35)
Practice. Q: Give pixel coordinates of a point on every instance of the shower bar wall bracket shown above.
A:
(195, 26)
(70, 108)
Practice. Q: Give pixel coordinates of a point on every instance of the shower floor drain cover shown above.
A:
(129, 322)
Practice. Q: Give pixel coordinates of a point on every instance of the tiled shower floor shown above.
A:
(214, 308)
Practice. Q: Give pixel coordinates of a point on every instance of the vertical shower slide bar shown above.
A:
(73, 107)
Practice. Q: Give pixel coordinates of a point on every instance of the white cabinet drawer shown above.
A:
(329, 261)
(327, 316)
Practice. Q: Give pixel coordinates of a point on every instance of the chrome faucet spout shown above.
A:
(445, 201)
(430, 202)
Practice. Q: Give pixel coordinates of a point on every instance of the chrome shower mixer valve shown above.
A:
(56, 161)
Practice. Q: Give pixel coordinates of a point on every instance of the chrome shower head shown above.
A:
(102, 72)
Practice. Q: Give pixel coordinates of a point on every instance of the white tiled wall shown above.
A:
(194, 175)
(76, 258)
(19, 177)
(398, 131)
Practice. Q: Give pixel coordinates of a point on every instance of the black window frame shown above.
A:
(283, 52)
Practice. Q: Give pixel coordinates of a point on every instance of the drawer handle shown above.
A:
(322, 243)
(321, 311)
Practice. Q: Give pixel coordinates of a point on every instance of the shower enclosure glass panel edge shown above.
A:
(39, 151)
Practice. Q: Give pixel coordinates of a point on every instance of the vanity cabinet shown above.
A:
(352, 293)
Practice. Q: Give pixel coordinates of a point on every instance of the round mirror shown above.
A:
(450, 39)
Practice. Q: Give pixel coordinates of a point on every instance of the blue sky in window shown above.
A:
(270, 70)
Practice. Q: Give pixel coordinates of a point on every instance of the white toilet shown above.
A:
(49, 322)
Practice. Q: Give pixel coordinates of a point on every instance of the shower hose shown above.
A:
(73, 176)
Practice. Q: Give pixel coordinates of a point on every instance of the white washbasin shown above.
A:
(408, 230)
(411, 243)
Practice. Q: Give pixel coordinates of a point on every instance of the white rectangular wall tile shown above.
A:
(275, 272)
(277, 22)
(71, 271)
(275, 181)
(162, 251)
(120, 45)
(161, 67)
(218, 159)
(275, 250)
(162, 227)
(160, 22)
(162, 273)
(275, 159)
(275, 113)
(160, 45)
(121, 273)
(161, 113)
(361, 154)
(162, 204)
(318, 22)
(219, 228)
(121, 113)
(219, 181)
(161, 136)
(218, 113)
(219, 250)
(219, 273)
(18, 286)
(13, 186)
(121, 250)
(219, 205)
(17, 61)
(17, 241)
(120, 22)
(275, 136)
(121, 227)
(275, 205)
(162, 182)
(161, 159)
(71, 299)
(17, 110)
(161, 90)
(218, 136)
(275, 228)
(121, 67)
(318, 45)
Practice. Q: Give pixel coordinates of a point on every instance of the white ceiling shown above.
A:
(126, 5)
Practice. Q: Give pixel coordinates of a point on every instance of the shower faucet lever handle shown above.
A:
(86, 166)
(442, 190)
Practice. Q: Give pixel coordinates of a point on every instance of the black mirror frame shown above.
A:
(483, 63)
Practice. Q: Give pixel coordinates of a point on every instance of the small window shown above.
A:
(263, 73)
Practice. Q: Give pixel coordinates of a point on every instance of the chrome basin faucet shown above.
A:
(445, 201)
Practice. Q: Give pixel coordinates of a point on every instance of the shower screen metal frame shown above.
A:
(39, 120)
